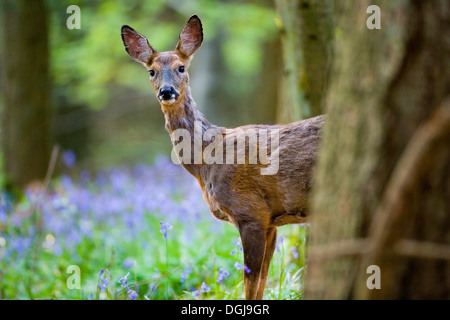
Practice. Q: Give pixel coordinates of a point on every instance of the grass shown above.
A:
(147, 224)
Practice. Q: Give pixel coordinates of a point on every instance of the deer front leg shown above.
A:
(253, 239)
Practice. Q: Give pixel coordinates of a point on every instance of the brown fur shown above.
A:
(237, 193)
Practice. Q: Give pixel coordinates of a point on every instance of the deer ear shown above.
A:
(191, 37)
(137, 45)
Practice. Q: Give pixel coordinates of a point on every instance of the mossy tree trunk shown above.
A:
(307, 29)
(381, 188)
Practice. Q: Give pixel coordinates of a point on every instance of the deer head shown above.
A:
(168, 70)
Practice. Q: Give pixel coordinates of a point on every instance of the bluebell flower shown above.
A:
(124, 280)
(233, 252)
(132, 294)
(222, 275)
(238, 266)
(128, 263)
(5, 206)
(185, 274)
(69, 158)
(294, 252)
(195, 292)
(104, 277)
(239, 245)
(79, 209)
(279, 243)
(204, 287)
(164, 228)
(57, 250)
(3, 216)
(247, 269)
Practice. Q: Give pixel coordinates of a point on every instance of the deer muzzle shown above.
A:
(167, 95)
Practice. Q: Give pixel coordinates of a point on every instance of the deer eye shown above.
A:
(152, 73)
(181, 69)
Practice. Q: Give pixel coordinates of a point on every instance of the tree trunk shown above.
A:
(307, 29)
(381, 188)
(26, 113)
(261, 104)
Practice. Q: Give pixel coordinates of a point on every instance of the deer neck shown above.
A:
(184, 116)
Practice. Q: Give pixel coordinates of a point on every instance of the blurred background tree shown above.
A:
(101, 104)
(261, 62)
(25, 85)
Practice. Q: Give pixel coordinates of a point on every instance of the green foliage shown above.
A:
(84, 62)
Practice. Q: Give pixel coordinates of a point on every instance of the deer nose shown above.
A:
(166, 93)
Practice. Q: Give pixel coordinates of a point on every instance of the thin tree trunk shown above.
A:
(381, 185)
(262, 103)
(307, 29)
(26, 113)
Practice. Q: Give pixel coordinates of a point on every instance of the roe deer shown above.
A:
(238, 193)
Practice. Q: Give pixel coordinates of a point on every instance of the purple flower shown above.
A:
(104, 276)
(222, 275)
(204, 287)
(294, 252)
(132, 294)
(280, 243)
(185, 274)
(238, 266)
(164, 228)
(195, 292)
(69, 158)
(124, 280)
(239, 244)
(128, 263)
(5, 206)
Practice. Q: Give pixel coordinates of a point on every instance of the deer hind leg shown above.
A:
(258, 245)
(253, 243)
(271, 239)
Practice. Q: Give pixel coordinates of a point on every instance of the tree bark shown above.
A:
(381, 185)
(307, 29)
(26, 113)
